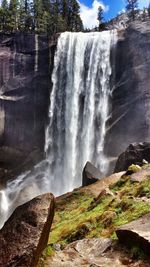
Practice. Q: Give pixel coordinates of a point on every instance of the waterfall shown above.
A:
(79, 107)
(78, 112)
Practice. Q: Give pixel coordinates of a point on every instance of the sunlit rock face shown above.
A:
(130, 116)
(24, 90)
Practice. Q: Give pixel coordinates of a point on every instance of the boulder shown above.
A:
(25, 234)
(136, 233)
(134, 154)
(141, 175)
(90, 174)
(86, 252)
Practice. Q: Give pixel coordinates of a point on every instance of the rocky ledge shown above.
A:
(86, 221)
(96, 252)
(136, 233)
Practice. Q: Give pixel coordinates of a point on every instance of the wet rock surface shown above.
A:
(134, 154)
(25, 234)
(130, 118)
(13, 162)
(90, 174)
(26, 61)
(136, 233)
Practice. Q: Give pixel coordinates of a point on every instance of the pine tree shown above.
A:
(13, 15)
(25, 18)
(74, 22)
(131, 7)
(40, 16)
(64, 7)
(144, 14)
(4, 16)
(100, 19)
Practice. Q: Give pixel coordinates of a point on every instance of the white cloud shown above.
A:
(121, 11)
(89, 14)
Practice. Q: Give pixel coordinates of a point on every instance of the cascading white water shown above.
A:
(78, 112)
(79, 106)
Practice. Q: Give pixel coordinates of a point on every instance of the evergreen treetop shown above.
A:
(131, 7)
(40, 16)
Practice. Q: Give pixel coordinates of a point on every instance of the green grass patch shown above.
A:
(75, 219)
(79, 215)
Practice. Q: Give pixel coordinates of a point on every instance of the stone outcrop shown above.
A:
(134, 154)
(141, 175)
(136, 233)
(26, 61)
(25, 234)
(100, 207)
(90, 174)
(93, 252)
(130, 112)
(101, 185)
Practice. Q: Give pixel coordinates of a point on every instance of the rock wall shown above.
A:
(25, 66)
(130, 117)
(26, 61)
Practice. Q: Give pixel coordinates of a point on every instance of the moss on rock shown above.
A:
(80, 215)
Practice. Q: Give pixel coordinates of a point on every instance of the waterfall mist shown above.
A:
(78, 112)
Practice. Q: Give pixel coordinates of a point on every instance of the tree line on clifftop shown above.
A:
(41, 16)
(52, 16)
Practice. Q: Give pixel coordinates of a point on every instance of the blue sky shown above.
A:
(111, 9)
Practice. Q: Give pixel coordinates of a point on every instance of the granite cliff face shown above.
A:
(26, 62)
(25, 65)
(130, 117)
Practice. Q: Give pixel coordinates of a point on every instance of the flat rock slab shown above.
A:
(136, 233)
(25, 234)
(95, 252)
(141, 175)
(102, 184)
